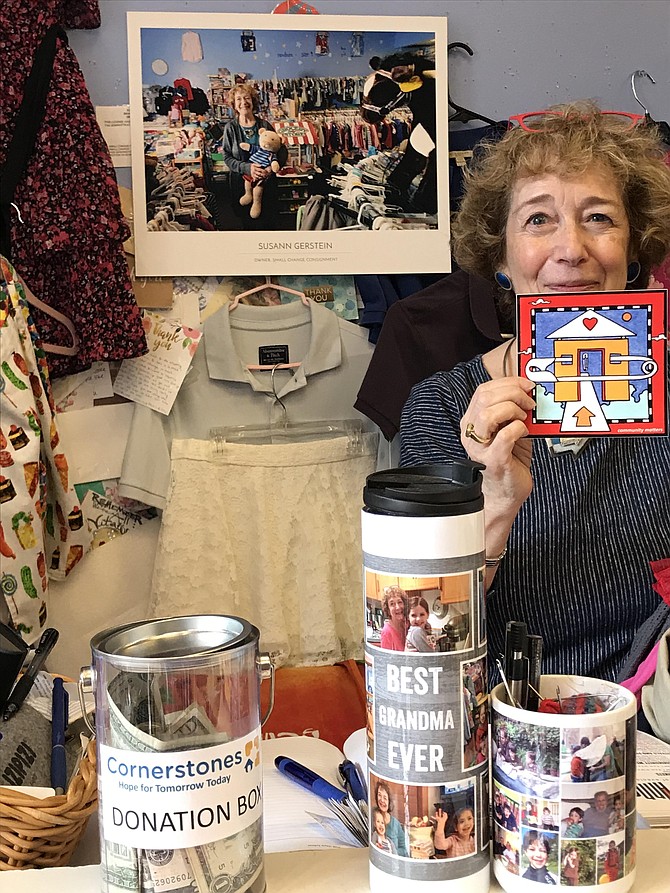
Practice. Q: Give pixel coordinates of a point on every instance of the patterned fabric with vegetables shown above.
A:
(42, 529)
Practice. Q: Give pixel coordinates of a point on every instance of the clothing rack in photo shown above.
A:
(344, 131)
(371, 213)
(175, 202)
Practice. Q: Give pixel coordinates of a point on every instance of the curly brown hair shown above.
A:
(576, 138)
(388, 592)
(250, 91)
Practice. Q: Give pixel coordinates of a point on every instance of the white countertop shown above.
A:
(327, 871)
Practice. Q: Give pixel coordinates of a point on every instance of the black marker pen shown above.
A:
(516, 661)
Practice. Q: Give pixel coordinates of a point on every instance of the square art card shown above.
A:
(599, 360)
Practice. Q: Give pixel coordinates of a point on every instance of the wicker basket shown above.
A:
(44, 833)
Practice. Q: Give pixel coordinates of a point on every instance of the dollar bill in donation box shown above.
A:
(178, 730)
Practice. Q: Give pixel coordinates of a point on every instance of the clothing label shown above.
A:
(271, 354)
(180, 799)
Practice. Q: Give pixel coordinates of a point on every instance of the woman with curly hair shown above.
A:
(395, 606)
(572, 199)
(244, 128)
(395, 832)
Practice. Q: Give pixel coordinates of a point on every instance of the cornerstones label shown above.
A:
(183, 799)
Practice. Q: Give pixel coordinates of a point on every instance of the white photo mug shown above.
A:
(564, 789)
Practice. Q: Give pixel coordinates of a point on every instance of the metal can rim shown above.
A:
(168, 637)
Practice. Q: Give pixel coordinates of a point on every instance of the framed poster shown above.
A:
(599, 360)
(271, 146)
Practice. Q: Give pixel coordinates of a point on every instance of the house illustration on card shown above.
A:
(592, 346)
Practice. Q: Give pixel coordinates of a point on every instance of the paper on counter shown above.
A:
(653, 780)
(288, 822)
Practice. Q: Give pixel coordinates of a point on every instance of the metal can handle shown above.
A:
(86, 683)
(266, 670)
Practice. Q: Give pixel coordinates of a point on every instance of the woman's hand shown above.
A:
(497, 413)
(258, 172)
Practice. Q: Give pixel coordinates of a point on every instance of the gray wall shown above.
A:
(528, 53)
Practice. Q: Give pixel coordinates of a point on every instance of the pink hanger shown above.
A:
(59, 317)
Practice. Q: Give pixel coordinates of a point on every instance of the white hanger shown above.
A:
(232, 304)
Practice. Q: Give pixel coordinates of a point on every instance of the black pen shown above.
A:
(25, 683)
(60, 704)
(516, 661)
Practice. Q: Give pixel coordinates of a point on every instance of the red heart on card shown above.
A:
(591, 322)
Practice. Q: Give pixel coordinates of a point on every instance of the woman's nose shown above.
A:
(570, 243)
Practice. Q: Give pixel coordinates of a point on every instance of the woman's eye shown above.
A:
(537, 219)
(597, 217)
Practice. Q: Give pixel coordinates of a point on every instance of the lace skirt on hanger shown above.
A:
(270, 533)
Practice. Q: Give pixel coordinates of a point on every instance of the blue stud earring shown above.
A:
(503, 280)
(633, 271)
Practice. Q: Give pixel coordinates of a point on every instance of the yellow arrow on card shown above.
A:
(583, 417)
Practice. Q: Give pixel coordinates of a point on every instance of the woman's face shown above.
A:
(537, 854)
(417, 616)
(567, 234)
(243, 103)
(396, 607)
(465, 823)
(383, 799)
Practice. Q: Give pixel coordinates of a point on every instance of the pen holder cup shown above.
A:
(38, 833)
(564, 787)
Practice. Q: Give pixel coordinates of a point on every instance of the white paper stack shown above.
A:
(653, 780)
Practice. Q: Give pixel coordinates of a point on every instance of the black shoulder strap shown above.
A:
(28, 123)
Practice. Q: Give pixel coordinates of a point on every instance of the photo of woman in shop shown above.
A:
(252, 187)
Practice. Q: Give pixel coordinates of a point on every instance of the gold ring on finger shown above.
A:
(470, 432)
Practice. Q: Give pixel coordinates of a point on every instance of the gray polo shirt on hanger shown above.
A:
(219, 390)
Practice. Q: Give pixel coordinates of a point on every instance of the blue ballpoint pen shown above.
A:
(352, 780)
(59, 719)
(309, 779)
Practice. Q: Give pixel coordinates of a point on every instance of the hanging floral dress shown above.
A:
(69, 248)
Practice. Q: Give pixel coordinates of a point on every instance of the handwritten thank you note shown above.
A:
(155, 378)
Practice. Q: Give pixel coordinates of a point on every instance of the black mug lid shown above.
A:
(445, 488)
